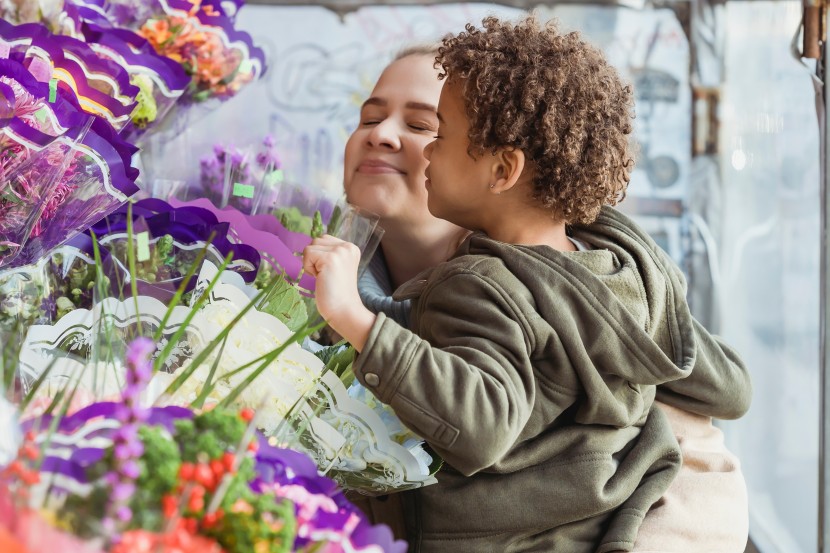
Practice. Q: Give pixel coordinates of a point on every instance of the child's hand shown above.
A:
(333, 262)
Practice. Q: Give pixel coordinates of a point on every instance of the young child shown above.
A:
(534, 354)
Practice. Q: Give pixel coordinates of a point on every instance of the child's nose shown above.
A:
(428, 149)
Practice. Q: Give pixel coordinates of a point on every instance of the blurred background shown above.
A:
(728, 178)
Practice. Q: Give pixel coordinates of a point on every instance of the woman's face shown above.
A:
(384, 160)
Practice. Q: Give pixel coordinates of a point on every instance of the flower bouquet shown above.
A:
(355, 439)
(44, 292)
(119, 477)
(175, 239)
(235, 345)
(160, 80)
(62, 169)
(218, 58)
(100, 86)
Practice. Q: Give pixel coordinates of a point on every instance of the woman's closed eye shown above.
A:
(422, 127)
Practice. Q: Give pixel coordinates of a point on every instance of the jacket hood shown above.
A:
(625, 298)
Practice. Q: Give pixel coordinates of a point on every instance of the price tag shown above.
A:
(243, 190)
(143, 247)
(274, 177)
(53, 90)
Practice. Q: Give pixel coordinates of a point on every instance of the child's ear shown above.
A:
(508, 166)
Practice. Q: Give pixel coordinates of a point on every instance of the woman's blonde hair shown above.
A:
(423, 49)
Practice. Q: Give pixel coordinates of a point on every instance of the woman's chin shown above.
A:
(372, 204)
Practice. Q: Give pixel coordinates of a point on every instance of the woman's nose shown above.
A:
(385, 133)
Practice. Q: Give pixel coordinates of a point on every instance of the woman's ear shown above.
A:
(508, 166)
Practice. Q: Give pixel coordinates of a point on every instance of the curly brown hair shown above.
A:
(556, 98)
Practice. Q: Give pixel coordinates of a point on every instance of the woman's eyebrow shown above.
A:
(422, 106)
(375, 101)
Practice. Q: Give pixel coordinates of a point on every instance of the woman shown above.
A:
(705, 509)
(384, 173)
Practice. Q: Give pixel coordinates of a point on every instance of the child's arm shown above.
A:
(469, 390)
(469, 387)
(719, 385)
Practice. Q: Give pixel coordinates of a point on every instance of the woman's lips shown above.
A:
(375, 167)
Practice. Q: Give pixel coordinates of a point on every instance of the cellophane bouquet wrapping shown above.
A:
(62, 168)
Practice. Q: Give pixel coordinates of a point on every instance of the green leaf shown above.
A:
(337, 357)
(286, 304)
(317, 225)
(334, 223)
(294, 220)
(185, 373)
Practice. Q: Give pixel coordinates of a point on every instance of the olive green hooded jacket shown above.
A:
(532, 373)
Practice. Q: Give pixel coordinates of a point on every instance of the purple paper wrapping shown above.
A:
(65, 112)
(18, 37)
(69, 114)
(279, 246)
(94, 64)
(287, 467)
(163, 80)
(185, 226)
(137, 52)
(74, 76)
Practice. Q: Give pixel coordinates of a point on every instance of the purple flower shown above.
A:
(132, 389)
(123, 412)
(128, 432)
(123, 491)
(123, 452)
(139, 351)
(130, 469)
(137, 448)
(124, 513)
(49, 307)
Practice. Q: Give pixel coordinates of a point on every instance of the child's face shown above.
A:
(457, 183)
(384, 160)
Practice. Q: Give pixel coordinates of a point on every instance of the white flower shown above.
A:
(274, 391)
(416, 448)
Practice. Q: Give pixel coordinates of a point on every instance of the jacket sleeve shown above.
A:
(467, 385)
(719, 385)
